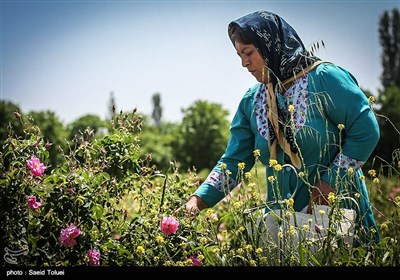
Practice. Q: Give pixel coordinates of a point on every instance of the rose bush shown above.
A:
(105, 205)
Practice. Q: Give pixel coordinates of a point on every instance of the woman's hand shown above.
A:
(319, 194)
(194, 205)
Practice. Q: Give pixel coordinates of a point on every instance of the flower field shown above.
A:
(107, 206)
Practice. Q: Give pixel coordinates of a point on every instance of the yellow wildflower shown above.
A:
(350, 170)
(247, 175)
(371, 99)
(209, 211)
(376, 181)
(384, 226)
(241, 165)
(223, 166)
(263, 260)
(140, 250)
(249, 248)
(278, 167)
(290, 202)
(203, 240)
(238, 204)
(331, 197)
(256, 153)
(292, 230)
(272, 162)
(341, 126)
(290, 108)
(271, 178)
(372, 173)
(255, 195)
(159, 239)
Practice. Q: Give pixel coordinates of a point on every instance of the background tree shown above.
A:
(202, 136)
(388, 101)
(112, 106)
(157, 142)
(7, 117)
(54, 133)
(389, 35)
(91, 122)
(157, 110)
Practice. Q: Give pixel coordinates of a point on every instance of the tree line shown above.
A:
(195, 142)
(200, 138)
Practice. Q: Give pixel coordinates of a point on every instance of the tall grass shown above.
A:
(117, 200)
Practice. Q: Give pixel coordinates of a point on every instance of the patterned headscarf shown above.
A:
(277, 42)
(285, 56)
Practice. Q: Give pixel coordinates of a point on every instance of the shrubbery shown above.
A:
(106, 205)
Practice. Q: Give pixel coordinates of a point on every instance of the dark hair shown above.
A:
(237, 34)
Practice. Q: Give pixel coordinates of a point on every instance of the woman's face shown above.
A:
(253, 61)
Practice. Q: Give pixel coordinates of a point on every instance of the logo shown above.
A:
(10, 255)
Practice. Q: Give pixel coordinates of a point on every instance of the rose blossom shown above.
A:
(195, 261)
(169, 225)
(94, 257)
(68, 235)
(32, 203)
(37, 168)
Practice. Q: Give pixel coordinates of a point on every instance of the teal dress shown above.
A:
(322, 99)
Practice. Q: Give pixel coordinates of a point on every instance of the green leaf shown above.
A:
(301, 254)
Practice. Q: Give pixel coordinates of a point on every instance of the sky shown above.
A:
(69, 56)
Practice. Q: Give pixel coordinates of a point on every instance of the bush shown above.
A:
(106, 205)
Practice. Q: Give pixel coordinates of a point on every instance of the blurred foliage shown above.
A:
(54, 133)
(202, 136)
(113, 192)
(93, 123)
(8, 120)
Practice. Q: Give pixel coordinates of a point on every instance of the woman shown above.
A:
(303, 112)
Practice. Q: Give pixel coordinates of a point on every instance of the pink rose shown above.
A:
(94, 257)
(195, 261)
(37, 168)
(32, 203)
(169, 225)
(68, 235)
